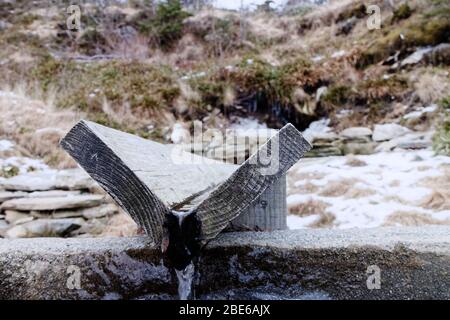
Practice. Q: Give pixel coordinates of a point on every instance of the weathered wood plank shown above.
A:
(172, 174)
(267, 213)
(149, 179)
(146, 178)
(247, 183)
(113, 175)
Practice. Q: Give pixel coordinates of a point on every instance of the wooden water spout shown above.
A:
(181, 200)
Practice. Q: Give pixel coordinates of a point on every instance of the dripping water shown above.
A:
(185, 276)
(185, 279)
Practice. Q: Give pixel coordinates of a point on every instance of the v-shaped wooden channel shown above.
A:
(143, 178)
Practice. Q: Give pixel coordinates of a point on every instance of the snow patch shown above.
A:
(393, 179)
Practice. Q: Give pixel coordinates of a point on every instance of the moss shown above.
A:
(254, 77)
(337, 95)
(149, 90)
(85, 86)
(402, 12)
(373, 97)
(355, 10)
(377, 90)
(9, 171)
(428, 29)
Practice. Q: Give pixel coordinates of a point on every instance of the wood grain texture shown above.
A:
(115, 176)
(148, 179)
(249, 181)
(267, 213)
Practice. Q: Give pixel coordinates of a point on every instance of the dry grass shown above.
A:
(308, 176)
(36, 127)
(353, 161)
(440, 196)
(305, 188)
(308, 208)
(404, 218)
(325, 220)
(437, 200)
(345, 188)
(354, 193)
(431, 85)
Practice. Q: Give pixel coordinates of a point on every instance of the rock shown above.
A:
(413, 140)
(45, 228)
(345, 27)
(356, 133)
(72, 179)
(359, 148)
(383, 132)
(23, 220)
(316, 128)
(56, 203)
(4, 25)
(416, 57)
(12, 216)
(180, 134)
(324, 137)
(386, 146)
(7, 195)
(413, 145)
(127, 32)
(324, 152)
(415, 265)
(66, 214)
(100, 212)
(320, 92)
(52, 194)
(4, 226)
(30, 182)
(421, 112)
(93, 227)
(439, 55)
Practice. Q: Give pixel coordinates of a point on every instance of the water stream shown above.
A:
(185, 278)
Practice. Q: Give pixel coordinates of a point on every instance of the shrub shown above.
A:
(93, 42)
(401, 13)
(166, 26)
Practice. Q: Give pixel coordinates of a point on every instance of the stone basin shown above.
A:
(381, 263)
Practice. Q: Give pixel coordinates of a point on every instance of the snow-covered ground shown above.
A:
(13, 165)
(396, 188)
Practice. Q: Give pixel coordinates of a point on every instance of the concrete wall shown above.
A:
(301, 264)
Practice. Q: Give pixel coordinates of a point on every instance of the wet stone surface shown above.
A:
(301, 264)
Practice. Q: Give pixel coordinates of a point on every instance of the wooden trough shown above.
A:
(180, 203)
